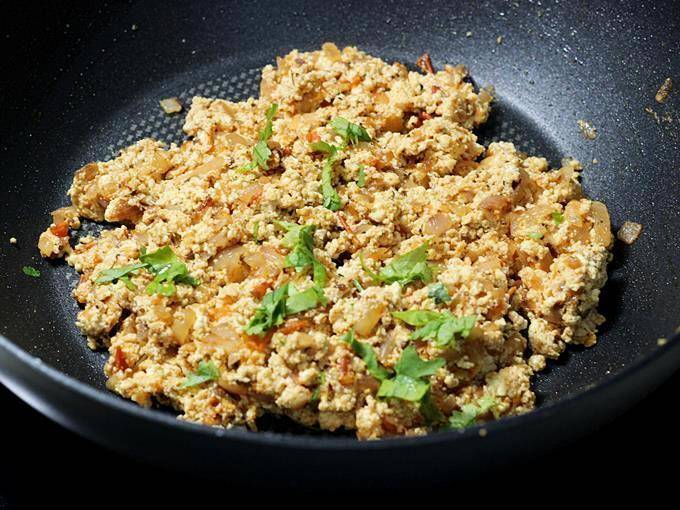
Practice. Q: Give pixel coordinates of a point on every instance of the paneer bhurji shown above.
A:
(340, 250)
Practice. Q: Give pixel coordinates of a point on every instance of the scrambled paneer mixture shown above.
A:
(340, 250)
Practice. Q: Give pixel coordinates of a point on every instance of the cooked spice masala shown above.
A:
(340, 250)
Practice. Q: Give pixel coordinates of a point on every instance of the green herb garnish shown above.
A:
(261, 151)
(325, 148)
(351, 133)
(31, 271)
(557, 217)
(120, 273)
(361, 180)
(357, 285)
(535, 235)
(469, 412)
(207, 371)
(271, 312)
(301, 243)
(409, 383)
(306, 300)
(405, 269)
(256, 230)
(366, 352)
(442, 328)
(168, 269)
(439, 293)
(315, 395)
(284, 301)
(163, 263)
(331, 199)
(430, 411)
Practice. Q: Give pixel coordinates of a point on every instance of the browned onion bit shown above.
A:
(629, 232)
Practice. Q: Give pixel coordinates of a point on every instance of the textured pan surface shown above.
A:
(88, 84)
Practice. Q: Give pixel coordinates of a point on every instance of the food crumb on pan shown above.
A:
(595, 161)
(171, 105)
(361, 264)
(587, 130)
(629, 232)
(425, 63)
(12, 240)
(649, 111)
(664, 91)
(666, 118)
(468, 33)
(499, 39)
(483, 432)
(661, 341)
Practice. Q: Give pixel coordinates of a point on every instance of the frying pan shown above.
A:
(82, 80)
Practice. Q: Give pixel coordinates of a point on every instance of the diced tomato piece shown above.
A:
(60, 229)
(119, 360)
(294, 325)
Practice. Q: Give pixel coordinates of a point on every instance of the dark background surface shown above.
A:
(42, 462)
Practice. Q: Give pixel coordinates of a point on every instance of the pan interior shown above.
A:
(90, 114)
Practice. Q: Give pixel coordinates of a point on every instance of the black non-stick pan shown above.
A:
(81, 80)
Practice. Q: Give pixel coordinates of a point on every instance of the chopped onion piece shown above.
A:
(629, 232)
(369, 320)
(438, 224)
(171, 105)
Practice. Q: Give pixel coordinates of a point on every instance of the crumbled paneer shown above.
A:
(511, 244)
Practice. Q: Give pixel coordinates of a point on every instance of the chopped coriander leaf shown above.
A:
(367, 353)
(405, 269)
(261, 151)
(31, 271)
(331, 199)
(207, 371)
(373, 275)
(418, 318)
(357, 285)
(351, 133)
(120, 273)
(439, 293)
(361, 180)
(411, 365)
(284, 301)
(469, 412)
(430, 411)
(535, 235)
(271, 312)
(557, 217)
(404, 388)
(317, 390)
(408, 383)
(266, 133)
(443, 328)
(324, 147)
(128, 283)
(306, 300)
(168, 269)
(256, 230)
(299, 239)
(246, 168)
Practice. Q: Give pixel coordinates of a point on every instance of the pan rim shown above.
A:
(278, 439)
